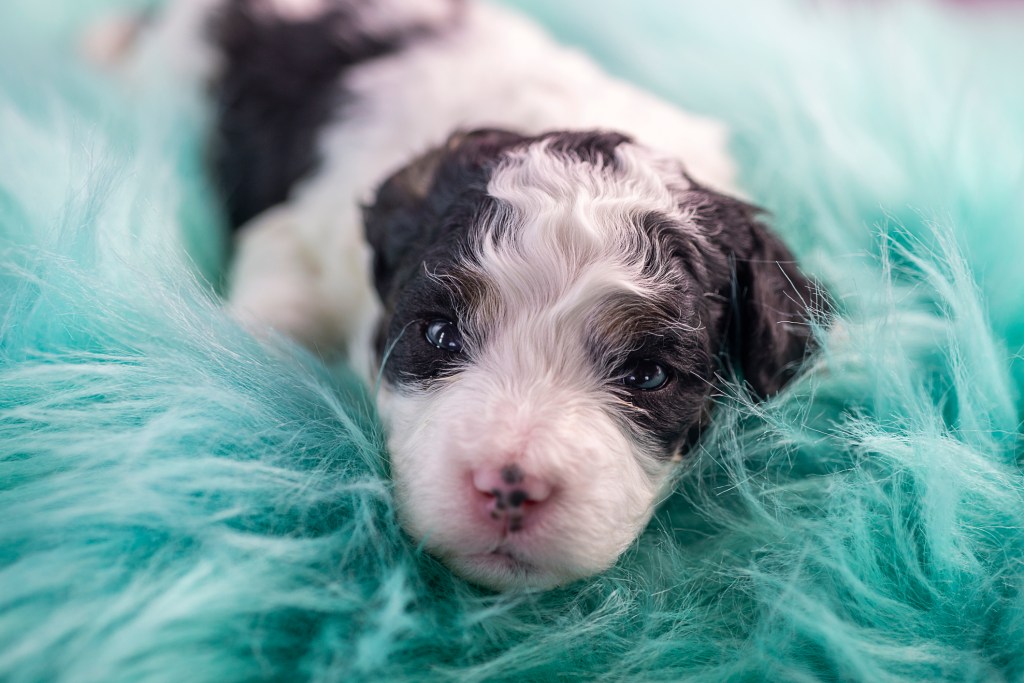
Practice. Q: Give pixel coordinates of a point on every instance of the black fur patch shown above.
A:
(445, 191)
(280, 84)
(419, 233)
(665, 415)
(771, 303)
(423, 213)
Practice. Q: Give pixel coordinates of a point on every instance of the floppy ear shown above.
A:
(408, 213)
(392, 223)
(771, 302)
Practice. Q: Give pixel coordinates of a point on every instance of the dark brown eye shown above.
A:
(644, 374)
(444, 335)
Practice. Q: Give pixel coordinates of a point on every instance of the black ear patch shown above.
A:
(771, 302)
(441, 193)
(424, 204)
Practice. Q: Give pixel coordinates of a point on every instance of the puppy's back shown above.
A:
(281, 80)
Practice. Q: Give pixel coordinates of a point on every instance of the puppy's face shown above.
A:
(554, 308)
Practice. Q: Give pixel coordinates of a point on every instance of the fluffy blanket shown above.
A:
(179, 502)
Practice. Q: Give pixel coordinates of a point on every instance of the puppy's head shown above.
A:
(554, 309)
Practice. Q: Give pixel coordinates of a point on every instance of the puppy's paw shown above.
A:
(107, 41)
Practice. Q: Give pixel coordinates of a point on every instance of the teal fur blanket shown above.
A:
(179, 502)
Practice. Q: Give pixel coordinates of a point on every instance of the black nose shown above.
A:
(507, 495)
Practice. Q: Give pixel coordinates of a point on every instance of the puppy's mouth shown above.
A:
(498, 568)
(503, 558)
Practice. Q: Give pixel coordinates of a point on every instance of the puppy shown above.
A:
(537, 263)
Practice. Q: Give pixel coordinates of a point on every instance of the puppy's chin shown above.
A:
(504, 570)
(509, 564)
(538, 558)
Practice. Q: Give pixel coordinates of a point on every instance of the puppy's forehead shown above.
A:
(575, 228)
(595, 193)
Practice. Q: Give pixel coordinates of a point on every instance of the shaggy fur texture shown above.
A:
(178, 502)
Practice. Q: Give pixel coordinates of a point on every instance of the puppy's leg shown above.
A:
(275, 283)
(107, 41)
(172, 40)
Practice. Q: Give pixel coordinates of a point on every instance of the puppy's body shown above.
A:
(546, 289)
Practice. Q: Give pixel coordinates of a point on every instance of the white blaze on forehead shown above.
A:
(569, 214)
(538, 182)
(566, 240)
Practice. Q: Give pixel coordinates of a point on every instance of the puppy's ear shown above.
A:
(408, 214)
(771, 302)
(393, 223)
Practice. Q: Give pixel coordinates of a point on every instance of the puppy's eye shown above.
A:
(644, 374)
(444, 335)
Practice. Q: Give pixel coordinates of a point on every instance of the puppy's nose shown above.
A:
(508, 496)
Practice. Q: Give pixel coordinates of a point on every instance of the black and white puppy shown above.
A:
(508, 239)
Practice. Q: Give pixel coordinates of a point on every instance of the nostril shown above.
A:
(508, 480)
(517, 498)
